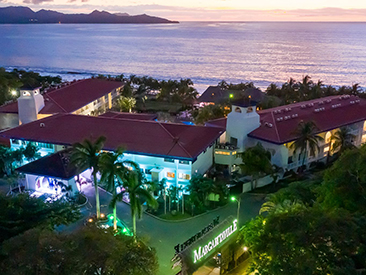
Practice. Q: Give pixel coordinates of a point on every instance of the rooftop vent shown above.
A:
(42, 125)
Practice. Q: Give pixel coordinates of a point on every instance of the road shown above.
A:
(164, 235)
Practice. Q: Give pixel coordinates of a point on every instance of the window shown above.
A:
(168, 160)
(184, 176)
(290, 160)
(234, 141)
(238, 110)
(15, 141)
(184, 162)
(327, 137)
(148, 171)
(170, 175)
(363, 138)
(222, 153)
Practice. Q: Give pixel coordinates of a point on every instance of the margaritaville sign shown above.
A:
(203, 250)
(212, 239)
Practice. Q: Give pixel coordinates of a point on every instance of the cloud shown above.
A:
(36, 2)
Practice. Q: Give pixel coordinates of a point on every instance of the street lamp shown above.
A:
(238, 201)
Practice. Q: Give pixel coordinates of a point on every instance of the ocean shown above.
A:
(206, 52)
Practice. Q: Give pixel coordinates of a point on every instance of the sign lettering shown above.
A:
(202, 251)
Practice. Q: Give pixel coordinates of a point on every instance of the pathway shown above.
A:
(164, 235)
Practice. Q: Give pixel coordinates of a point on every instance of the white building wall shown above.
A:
(175, 171)
(204, 161)
(29, 105)
(240, 122)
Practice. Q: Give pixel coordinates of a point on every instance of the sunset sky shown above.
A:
(213, 10)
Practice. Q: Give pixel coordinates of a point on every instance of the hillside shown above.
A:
(24, 15)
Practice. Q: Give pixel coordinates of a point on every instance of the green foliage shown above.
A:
(137, 188)
(84, 156)
(22, 212)
(88, 251)
(256, 161)
(209, 112)
(200, 188)
(30, 152)
(12, 81)
(9, 159)
(306, 139)
(297, 91)
(303, 241)
(314, 227)
(344, 184)
(342, 139)
(126, 104)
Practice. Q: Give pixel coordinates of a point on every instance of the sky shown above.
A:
(213, 10)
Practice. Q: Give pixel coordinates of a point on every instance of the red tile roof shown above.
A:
(144, 137)
(56, 165)
(135, 116)
(219, 122)
(71, 97)
(279, 124)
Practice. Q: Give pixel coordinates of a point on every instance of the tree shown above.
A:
(30, 152)
(89, 250)
(22, 212)
(342, 140)
(134, 186)
(113, 171)
(199, 188)
(344, 184)
(301, 240)
(85, 155)
(306, 139)
(126, 104)
(209, 112)
(256, 161)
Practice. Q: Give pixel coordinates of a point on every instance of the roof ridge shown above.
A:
(278, 135)
(66, 86)
(54, 101)
(42, 120)
(176, 142)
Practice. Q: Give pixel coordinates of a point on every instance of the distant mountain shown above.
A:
(122, 14)
(23, 15)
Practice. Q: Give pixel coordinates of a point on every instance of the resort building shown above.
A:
(163, 150)
(84, 97)
(174, 152)
(275, 129)
(217, 95)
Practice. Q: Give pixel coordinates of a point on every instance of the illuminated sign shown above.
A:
(180, 247)
(203, 250)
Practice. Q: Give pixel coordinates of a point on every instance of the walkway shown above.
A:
(164, 235)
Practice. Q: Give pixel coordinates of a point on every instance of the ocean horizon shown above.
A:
(206, 52)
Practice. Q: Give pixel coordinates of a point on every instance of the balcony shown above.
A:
(225, 154)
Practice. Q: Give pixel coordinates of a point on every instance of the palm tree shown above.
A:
(112, 171)
(134, 186)
(85, 155)
(306, 139)
(126, 103)
(342, 140)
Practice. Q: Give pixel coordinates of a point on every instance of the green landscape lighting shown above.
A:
(231, 95)
(111, 217)
(233, 198)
